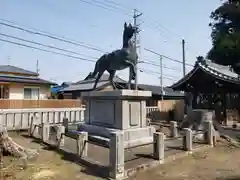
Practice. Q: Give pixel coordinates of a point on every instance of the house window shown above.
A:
(4, 92)
(31, 93)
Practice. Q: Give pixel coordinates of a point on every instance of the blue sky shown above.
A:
(103, 28)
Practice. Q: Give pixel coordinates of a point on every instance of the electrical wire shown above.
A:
(105, 6)
(49, 36)
(42, 33)
(169, 58)
(154, 73)
(45, 50)
(69, 56)
(48, 46)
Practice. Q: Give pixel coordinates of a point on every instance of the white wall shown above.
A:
(44, 92)
(17, 92)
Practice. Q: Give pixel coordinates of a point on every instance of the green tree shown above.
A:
(226, 33)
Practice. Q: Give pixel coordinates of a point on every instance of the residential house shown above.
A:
(18, 83)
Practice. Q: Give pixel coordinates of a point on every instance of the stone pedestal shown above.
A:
(118, 111)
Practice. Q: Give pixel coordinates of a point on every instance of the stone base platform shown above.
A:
(132, 137)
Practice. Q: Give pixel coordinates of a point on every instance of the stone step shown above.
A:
(99, 140)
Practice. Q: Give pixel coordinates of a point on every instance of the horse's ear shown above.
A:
(130, 25)
(125, 25)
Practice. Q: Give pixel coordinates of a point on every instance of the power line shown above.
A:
(105, 6)
(154, 73)
(42, 33)
(175, 60)
(48, 46)
(128, 13)
(152, 22)
(158, 65)
(74, 57)
(45, 50)
(73, 52)
(120, 5)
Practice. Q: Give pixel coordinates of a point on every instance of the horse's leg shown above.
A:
(130, 78)
(95, 72)
(132, 73)
(111, 76)
(133, 70)
(100, 73)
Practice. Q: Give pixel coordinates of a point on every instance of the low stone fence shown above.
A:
(116, 143)
(20, 119)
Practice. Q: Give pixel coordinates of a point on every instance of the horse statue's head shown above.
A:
(128, 33)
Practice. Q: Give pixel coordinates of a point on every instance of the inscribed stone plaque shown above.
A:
(134, 113)
(102, 112)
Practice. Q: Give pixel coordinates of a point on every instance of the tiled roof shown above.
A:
(85, 85)
(156, 90)
(24, 79)
(13, 69)
(103, 78)
(217, 71)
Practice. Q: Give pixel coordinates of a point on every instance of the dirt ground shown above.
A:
(220, 163)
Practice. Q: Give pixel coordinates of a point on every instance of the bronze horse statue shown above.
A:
(118, 59)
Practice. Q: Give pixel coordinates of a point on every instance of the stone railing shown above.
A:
(152, 109)
(116, 144)
(20, 119)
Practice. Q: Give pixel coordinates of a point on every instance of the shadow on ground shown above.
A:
(90, 168)
(229, 178)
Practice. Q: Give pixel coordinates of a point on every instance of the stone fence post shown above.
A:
(116, 155)
(65, 123)
(45, 132)
(173, 129)
(158, 146)
(209, 132)
(33, 128)
(187, 139)
(60, 136)
(82, 145)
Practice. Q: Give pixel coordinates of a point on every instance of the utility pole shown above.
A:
(161, 81)
(136, 45)
(183, 57)
(161, 76)
(9, 60)
(186, 94)
(37, 67)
